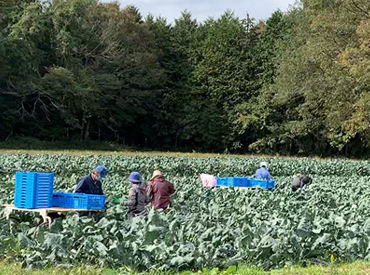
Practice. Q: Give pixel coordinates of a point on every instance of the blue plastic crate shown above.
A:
(233, 182)
(255, 182)
(264, 184)
(223, 182)
(239, 182)
(33, 190)
(245, 182)
(271, 184)
(78, 201)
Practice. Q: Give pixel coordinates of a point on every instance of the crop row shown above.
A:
(203, 228)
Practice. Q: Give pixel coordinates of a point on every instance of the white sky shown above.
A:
(202, 9)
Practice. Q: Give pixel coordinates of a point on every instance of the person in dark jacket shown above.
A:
(137, 198)
(160, 191)
(92, 184)
(300, 181)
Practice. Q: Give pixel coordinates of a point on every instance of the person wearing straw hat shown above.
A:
(92, 184)
(160, 191)
(137, 197)
(262, 173)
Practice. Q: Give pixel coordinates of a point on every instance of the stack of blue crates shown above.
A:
(33, 190)
(78, 201)
(245, 182)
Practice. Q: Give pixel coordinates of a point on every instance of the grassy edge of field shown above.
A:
(33, 146)
(358, 267)
(133, 153)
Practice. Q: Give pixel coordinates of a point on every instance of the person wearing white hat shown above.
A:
(262, 173)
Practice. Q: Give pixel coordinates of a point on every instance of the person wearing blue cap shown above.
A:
(92, 184)
(137, 197)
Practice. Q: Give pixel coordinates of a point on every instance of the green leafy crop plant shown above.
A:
(203, 228)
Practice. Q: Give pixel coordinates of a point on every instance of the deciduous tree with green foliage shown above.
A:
(81, 69)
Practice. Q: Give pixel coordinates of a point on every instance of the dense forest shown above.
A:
(297, 83)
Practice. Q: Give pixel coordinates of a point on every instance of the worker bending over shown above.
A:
(300, 181)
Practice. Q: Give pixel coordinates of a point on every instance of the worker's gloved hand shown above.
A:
(116, 201)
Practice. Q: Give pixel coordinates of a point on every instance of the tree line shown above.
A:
(297, 83)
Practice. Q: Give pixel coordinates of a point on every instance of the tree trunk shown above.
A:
(10, 134)
(82, 131)
(87, 130)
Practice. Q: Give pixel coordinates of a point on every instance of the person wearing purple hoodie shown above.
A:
(262, 173)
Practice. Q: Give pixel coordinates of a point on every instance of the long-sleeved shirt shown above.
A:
(137, 198)
(88, 186)
(263, 174)
(160, 192)
(208, 181)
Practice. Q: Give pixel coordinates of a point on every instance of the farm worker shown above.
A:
(92, 184)
(160, 191)
(262, 172)
(300, 181)
(208, 181)
(137, 197)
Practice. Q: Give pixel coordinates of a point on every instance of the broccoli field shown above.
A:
(329, 219)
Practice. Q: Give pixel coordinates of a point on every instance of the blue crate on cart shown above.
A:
(78, 201)
(222, 182)
(239, 182)
(233, 182)
(245, 182)
(33, 190)
(271, 184)
(264, 184)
